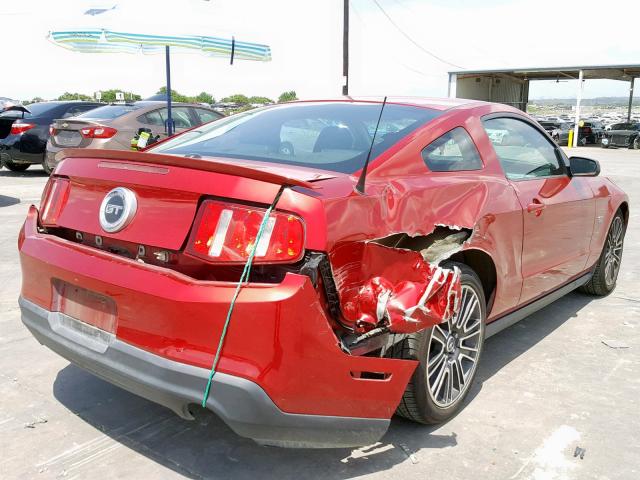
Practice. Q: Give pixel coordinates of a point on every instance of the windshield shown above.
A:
(109, 112)
(332, 136)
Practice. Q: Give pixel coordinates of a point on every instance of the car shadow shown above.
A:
(6, 201)
(207, 448)
(31, 172)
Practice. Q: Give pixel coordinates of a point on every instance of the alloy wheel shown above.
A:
(454, 349)
(613, 251)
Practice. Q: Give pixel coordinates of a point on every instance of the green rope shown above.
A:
(243, 278)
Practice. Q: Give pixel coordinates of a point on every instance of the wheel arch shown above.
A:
(624, 208)
(484, 266)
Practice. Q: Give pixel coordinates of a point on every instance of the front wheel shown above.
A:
(448, 356)
(636, 143)
(605, 275)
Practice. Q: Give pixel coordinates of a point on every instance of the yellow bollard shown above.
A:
(570, 144)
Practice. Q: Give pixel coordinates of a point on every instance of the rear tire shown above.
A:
(605, 275)
(636, 143)
(436, 390)
(16, 167)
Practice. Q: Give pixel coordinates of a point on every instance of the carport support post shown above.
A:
(576, 127)
(633, 80)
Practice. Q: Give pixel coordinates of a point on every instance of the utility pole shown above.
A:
(345, 48)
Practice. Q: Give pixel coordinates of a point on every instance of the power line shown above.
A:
(404, 34)
(414, 70)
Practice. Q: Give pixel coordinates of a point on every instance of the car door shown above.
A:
(558, 211)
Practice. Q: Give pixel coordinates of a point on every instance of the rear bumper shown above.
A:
(279, 346)
(10, 150)
(50, 158)
(240, 403)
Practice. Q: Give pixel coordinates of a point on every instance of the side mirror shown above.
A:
(584, 167)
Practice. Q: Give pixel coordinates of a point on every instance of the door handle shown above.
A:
(536, 207)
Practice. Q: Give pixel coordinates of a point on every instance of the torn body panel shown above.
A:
(427, 215)
(402, 293)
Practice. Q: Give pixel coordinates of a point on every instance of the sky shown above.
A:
(398, 47)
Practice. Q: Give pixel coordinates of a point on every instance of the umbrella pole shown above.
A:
(168, 68)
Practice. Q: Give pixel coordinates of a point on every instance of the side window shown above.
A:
(308, 135)
(522, 150)
(181, 117)
(153, 117)
(158, 117)
(206, 115)
(453, 151)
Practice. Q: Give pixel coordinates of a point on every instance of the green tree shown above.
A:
(34, 100)
(237, 98)
(175, 96)
(262, 100)
(204, 97)
(110, 95)
(66, 96)
(289, 96)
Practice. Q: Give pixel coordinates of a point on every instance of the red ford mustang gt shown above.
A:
(307, 270)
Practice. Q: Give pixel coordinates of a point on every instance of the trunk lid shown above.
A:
(168, 189)
(67, 133)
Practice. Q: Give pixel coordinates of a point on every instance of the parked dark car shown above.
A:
(585, 134)
(548, 126)
(626, 135)
(597, 127)
(24, 132)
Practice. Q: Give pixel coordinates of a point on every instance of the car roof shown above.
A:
(425, 102)
(154, 103)
(64, 102)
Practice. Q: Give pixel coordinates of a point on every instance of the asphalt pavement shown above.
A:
(553, 398)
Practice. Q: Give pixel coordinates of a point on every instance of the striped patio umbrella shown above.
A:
(107, 41)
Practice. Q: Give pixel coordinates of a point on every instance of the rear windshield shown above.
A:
(109, 111)
(331, 136)
(35, 109)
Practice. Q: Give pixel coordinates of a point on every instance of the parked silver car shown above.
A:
(113, 126)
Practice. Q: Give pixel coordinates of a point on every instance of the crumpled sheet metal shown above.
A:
(403, 293)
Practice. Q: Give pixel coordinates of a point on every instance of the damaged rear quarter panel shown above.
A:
(414, 201)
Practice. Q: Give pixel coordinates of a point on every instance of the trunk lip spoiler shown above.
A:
(184, 162)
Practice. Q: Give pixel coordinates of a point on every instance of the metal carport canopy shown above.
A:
(511, 86)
